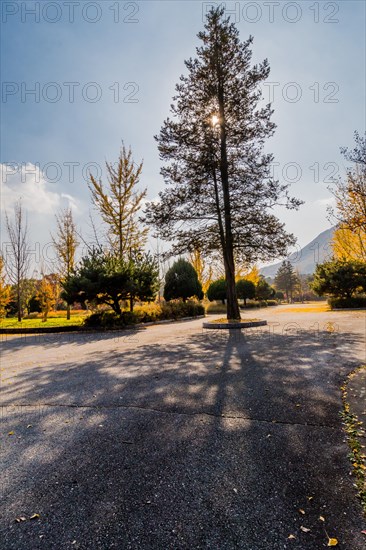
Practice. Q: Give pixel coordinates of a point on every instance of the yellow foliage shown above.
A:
(253, 275)
(5, 291)
(203, 270)
(46, 297)
(153, 309)
(349, 245)
(245, 272)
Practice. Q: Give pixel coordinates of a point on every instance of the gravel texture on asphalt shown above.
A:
(176, 437)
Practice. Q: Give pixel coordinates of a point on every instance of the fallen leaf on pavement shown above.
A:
(302, 511)
(11, 433)
(304, 529)
(291, 537)
(322, 518)
(332, 542)
(310, 498)
(21, 518)
(35, 516)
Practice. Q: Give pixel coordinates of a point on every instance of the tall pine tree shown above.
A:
(286, 279)
(220, 189)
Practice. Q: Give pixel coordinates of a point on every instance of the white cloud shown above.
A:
(329, 201)
(39, 196)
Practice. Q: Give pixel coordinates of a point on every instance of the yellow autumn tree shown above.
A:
(249, 273)
(65, 242)
(119, 203)
(5, 293)
(253, 275)
(349, 245)
(202, 267)
(46, 297)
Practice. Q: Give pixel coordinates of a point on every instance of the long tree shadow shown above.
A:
(213, 442)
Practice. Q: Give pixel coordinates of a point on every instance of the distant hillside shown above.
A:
(306, 259)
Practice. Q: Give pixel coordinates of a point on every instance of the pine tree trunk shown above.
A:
(233, 311)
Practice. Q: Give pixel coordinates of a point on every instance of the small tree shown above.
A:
(28, 290)
(17, 257)
(104, 279)
(119, 205)
(144, 278)
(263, 290)
(286, 279)
(245, 290)
(65, 242)
(181, 281)
(45, 295)
(339, 278)
(217, 291)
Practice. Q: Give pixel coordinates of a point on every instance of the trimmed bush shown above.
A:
(144, 314)
(181, 281)
(148, 312)
(215, 308)
(245, 290)
(103, 319)
(217, 291)
(353, 302)
(177, 310)
(252, 305)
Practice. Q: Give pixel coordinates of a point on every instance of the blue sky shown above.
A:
(316, 51)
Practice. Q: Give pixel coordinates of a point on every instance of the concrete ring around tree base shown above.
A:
(234, 324)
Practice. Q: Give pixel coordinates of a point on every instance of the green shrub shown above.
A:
(177, 310)
(251, 305)
(129, 318)
(144, 314)
(104, 319)
(181, 281)
(217, 291)
(215, 308)
(353, 302)
(245, 290)
(272, 303)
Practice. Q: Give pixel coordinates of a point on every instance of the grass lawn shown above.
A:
(312, 307)
(12, 322)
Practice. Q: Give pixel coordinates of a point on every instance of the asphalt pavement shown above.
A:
(176, 437)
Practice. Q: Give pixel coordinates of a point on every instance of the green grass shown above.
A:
(12, 322)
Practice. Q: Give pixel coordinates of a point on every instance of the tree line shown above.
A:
(216, 208)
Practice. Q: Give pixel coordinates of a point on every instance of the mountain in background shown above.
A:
(305, 259)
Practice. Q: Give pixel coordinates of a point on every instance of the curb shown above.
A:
(241, 325)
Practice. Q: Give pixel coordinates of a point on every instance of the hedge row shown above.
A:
(169, 310)
(342, 303)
